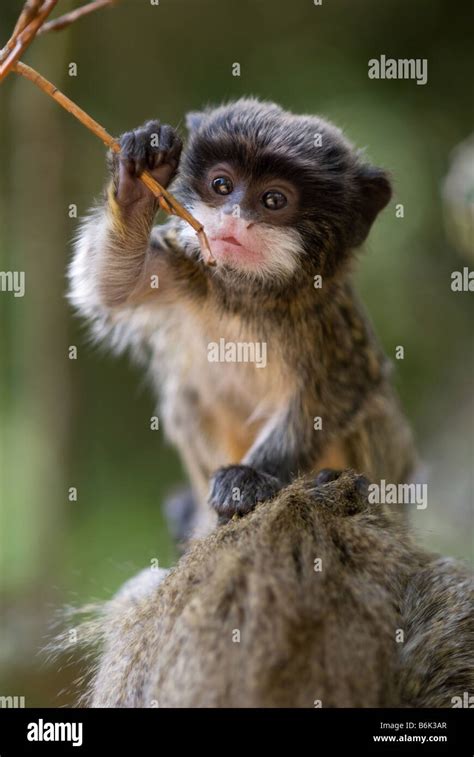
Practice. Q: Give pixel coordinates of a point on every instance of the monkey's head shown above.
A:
(279, 195)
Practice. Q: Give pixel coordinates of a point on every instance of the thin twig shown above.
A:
(30, 9)
(167, 201)
(26, 36)
(69, 18)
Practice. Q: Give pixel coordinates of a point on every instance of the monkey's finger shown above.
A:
(153, 126)
(149, 138)
(170, 142)
(134, 153)
(169, 151)
(128, 188)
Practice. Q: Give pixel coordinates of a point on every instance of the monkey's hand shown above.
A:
(237, 489)
(153, 147)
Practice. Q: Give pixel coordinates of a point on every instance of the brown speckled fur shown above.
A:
(323, 358)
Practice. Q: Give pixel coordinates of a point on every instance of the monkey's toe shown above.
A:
(237, 489)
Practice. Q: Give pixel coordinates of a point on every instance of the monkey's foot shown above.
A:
(237, 489)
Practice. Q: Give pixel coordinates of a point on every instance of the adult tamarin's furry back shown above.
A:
(314, 599)
(285, 199)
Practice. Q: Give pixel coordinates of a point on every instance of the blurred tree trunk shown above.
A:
(37, 409)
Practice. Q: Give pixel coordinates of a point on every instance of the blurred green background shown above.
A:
(85, 423)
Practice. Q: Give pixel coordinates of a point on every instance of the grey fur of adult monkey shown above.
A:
(314, 598)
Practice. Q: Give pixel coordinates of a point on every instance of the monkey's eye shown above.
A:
(222, 185)
(274, 200)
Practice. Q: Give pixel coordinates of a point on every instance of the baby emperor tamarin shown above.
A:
(265, 365)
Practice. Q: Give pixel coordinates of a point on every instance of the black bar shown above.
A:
(320, 731)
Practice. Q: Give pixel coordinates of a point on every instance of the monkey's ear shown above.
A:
(374, 192)
(194, 120)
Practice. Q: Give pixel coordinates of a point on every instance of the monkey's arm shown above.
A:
(120, 259)
(354, 433)
(118, 265)
(286, 447)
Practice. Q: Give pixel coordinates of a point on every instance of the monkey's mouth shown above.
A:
(229, 240)
(229, 250)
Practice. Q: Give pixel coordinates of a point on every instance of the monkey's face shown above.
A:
(249, 220)
(279, 195)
